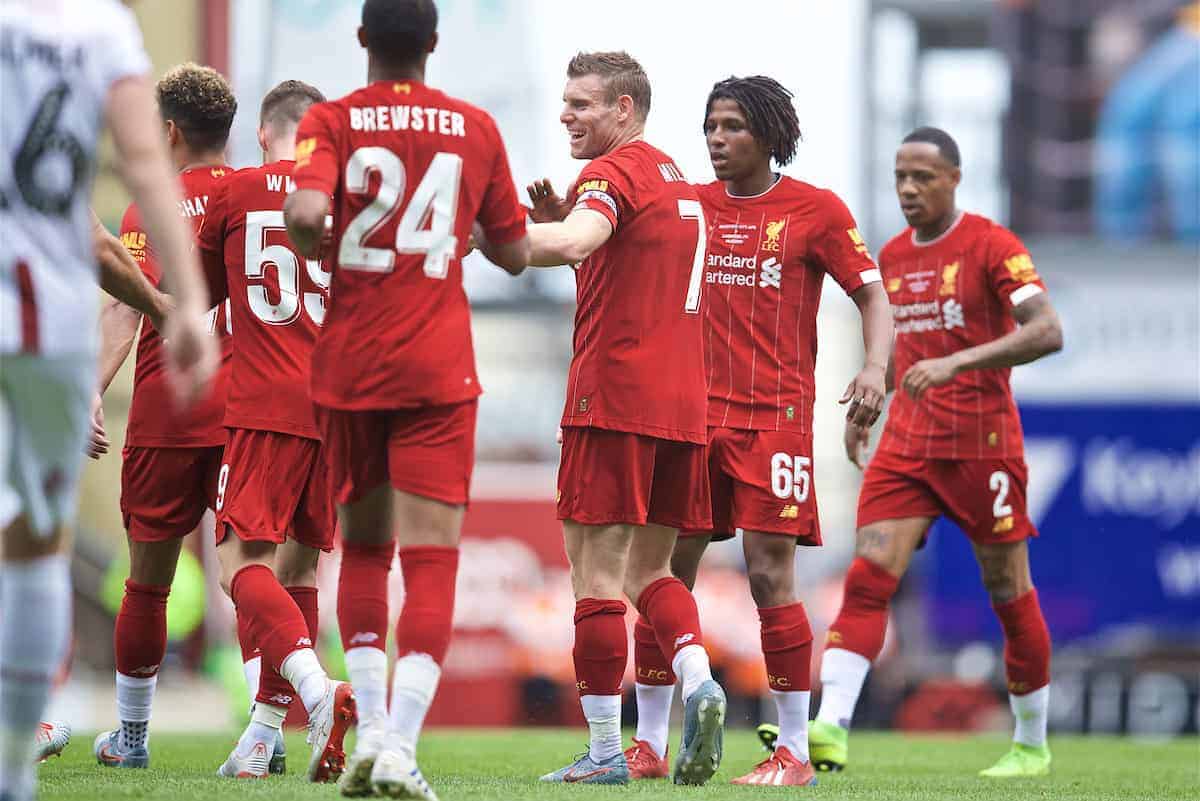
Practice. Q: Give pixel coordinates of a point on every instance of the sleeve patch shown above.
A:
(594, 185)
(304, 151)
(860, 245)
(870, 276)
(1024, 293)
(1021, 268)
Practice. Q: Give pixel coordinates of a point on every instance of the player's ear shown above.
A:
(262, 137)
(433, 43)
(625, 108)
(173, 132)
(362, 36)
(955, 177)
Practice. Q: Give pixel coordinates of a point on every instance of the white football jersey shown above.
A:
(58, 60)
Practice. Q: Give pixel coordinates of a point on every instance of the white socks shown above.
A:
(252, 670)
(304, 672)
(793, 721)
(1031, 711)
(35, 627)
(603, 713)
(654, 714)
(265, 723)
(691, 668)
(842, 675)
(367, 668)
(135, 698)
(414, 683)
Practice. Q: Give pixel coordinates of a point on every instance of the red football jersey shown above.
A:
(409, 169)
(766, 263)
(277, 300)
(955, 292)
(153, 421)
(638, 364)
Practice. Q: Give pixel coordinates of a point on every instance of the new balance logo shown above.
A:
(304, 642)
(147, 670)
(364, 638)
(790, 512)
(683, 639)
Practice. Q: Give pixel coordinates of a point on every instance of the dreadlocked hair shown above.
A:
(768, 109)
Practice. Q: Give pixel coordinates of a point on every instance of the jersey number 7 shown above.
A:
(434, 204)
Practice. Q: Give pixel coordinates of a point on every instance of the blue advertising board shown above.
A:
(1115, 492)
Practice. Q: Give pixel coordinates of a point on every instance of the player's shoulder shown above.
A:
(203, 179)
(823, 199)
(711, 193)
(899, 244)
(990, 232)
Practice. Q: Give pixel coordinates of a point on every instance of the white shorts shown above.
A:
(45, 406)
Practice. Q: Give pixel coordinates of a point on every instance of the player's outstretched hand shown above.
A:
(547, 205)
(97, 444)
(192, 356)
(928, 373)
(865, 394)
(856, 439)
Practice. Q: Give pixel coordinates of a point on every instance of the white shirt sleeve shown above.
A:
(119, 50)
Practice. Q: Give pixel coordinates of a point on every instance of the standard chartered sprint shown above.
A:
(748, 266)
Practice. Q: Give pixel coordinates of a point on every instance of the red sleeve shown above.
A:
(317, 164)
(210, 241)
(1010, 270)
(604, 188)
(133, 237)
(501, 214)
(843, 253)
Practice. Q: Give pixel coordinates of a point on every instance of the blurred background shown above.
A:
(1079, 124)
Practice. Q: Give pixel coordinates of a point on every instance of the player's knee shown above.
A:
(1000, 580)
(21, 544)
(685, 564)
(877, 547)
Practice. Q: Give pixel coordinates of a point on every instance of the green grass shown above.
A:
(503, 765)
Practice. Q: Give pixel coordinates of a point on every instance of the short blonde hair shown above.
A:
(622, 75)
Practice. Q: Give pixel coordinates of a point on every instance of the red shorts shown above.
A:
(609, 477)
(164, 491)
(762, 481)
(985, 497)
(272, 486)
(427, 451)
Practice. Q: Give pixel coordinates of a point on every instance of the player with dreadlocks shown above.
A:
(772, 239)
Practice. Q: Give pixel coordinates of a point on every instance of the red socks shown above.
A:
(273, 688)
(652, 667)
(362, 606)
(269, 615)
(862, 621)
(787, 647)
(428, 612)
(670, 609)
(140, 634)
(1026, 643)
(601, 646)
(306, 599)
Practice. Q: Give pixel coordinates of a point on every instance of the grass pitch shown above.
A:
(503, 765)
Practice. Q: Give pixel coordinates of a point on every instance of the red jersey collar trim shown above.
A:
(939, 237)
(778, 180)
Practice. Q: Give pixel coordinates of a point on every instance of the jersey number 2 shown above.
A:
(998, 483)
(427, 225)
